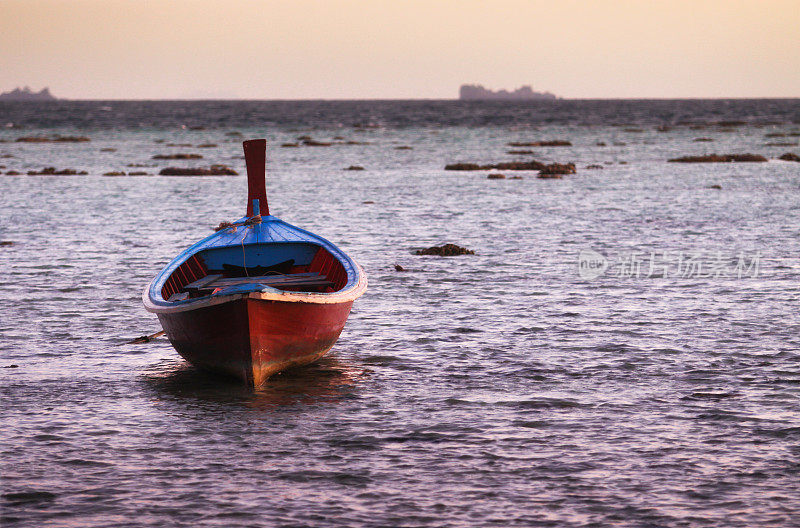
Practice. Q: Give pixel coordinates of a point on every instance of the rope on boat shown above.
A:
(253, 220)
(250, 222)
(144, 339)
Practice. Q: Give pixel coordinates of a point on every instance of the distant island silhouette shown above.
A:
(26, 94)
(476, 92)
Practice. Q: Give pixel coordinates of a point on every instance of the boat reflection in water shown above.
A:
(326, 380)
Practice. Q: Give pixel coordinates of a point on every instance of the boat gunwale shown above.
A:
(354, 288)
(342, 296)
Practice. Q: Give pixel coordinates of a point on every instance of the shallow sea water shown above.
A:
(500, 389)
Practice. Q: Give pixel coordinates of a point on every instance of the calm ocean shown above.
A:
(623, 349)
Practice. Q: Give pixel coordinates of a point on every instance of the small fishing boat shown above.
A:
(259, 295)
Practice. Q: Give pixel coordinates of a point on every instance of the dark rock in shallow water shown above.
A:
(398, 267)
(54, 139)
(789, 157)
(108, 149)
(496, 176)
(13, 173)
(545, 176)
(715, 186)
(519, 152)
(33, 139)
(558, 168)
(550, 143)
(214, 170)
(447, 250)
(51, 171)
(138, 173)
(403, 147)
(6, 243)
(702, 140)
(355, 168)
(781, 144)
(506, 165)
(114, 173)
(289, 145)
(595, 167)
(71, 139)
(715, 158)
(463, 167)
(519, 165)
(177, 156)
(207, 145)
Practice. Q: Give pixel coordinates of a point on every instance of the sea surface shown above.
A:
(623, 349)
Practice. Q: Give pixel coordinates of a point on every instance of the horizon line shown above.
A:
(322, 99)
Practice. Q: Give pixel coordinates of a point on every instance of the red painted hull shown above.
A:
(253, 339)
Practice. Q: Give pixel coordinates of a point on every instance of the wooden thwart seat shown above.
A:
(211, 282)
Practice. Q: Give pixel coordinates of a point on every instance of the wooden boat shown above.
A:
(259, 295)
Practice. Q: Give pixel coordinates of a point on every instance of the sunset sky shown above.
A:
(301, 49)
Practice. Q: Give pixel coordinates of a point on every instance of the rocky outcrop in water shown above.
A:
(715, 158)
(53, 139)
(506, 165)
(26, 94)
(789, 157)
(51, 171)
(177, 156)
(476, 92)
(214, 170)
(447, 250)
(549, 143)
(557, 169)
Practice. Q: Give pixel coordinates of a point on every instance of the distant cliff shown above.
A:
(472, 92)
(26, 94)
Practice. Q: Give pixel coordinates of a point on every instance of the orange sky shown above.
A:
(300, 49)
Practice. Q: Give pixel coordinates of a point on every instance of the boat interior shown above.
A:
(289, 266)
